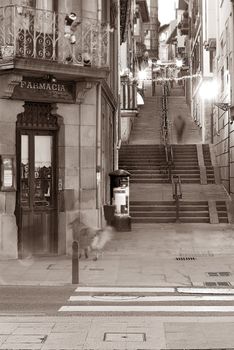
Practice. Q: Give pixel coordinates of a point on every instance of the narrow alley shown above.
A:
(203, 197)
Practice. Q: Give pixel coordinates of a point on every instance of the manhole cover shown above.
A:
(129, 337)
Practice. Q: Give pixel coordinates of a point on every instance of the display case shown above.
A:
(8, 182)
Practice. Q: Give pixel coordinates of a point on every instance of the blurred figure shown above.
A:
(90, 238)
(179, 125)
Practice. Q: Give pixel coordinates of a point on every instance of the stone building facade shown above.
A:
(58, 120)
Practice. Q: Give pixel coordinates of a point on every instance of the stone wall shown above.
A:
(126, 127)
(224, 149)
(8, 229)
(77, 167)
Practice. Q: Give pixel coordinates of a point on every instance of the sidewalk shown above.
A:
(130, 333)
(146, 256)
(149, 255)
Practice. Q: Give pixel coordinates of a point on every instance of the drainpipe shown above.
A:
(117, 142)
(99, 172)
(229, 152)
(79, 145)
(99, 10)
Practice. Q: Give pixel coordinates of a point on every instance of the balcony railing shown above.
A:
(26, 32)
(128, 95)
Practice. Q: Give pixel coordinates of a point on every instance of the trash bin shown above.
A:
(119, 193)
(109, 212)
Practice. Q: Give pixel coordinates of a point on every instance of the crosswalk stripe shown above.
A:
(145, 309)
(206, 290)
(125, 289)
(136, 298)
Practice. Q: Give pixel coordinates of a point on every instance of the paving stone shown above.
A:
(7, 328)
(15, 346)
(3, 338)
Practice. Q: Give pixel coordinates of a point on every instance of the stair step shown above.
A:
(150, 203)
(148, 181)
(153, 220)
(147, 176)
(195, 220)
(204, 214)
(223, 221)
(152, 215)
(152, 208)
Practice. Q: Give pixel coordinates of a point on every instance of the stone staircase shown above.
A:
(146, 163)
(165, 211)
(222, 211)
(208, 164)
(151, 198)
(147, 166)
(186, 163)
(146, 128)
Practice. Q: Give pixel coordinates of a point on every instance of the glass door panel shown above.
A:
(43, 171)
(24, 173)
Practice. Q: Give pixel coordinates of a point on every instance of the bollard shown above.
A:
(75, 262)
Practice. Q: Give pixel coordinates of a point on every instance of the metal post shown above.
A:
(75, 262)
(177, 200)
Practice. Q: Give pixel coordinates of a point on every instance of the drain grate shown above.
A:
(123, 337)
(217, 284)
(185, 258)
(223, 274)
(95, 269)
(219, 274)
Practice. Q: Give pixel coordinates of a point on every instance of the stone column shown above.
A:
(68, 6)
(90, 9)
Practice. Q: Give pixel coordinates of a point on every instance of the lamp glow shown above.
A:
(142, 74)
(179, 63)
(208, 90)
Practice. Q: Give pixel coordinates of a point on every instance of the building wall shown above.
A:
(223, 130)
(8, 229)
(77, 167)
(86, 139)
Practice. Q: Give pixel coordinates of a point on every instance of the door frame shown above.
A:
(37, 119)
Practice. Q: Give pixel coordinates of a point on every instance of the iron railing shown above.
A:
(128, 95)
(165, 131)
(164, 119)
(177, 194)
(41, 34)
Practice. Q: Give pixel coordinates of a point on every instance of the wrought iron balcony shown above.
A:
(128, 95)
(27, 32)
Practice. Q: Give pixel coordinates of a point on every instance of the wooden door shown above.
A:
(37, 182)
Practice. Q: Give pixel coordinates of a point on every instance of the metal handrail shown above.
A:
(172, 155)
(177, 194)
(166, 152)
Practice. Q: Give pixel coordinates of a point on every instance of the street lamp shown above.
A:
(179, 63)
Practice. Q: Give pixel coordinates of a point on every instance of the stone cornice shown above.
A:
(8, 83)
(37, 68)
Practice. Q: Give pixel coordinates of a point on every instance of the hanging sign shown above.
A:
(35, 89)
